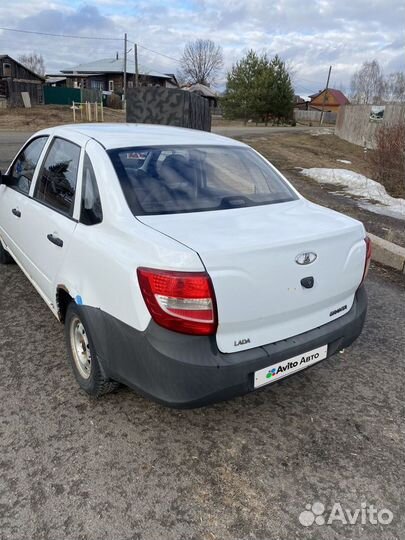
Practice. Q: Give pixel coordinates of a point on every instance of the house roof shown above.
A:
(111, 65)
(54, 79)
(173, 77)
(22, 65)
(339, 96)
(202, 90)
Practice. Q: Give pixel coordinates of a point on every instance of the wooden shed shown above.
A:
(205, 92)
(16, 78)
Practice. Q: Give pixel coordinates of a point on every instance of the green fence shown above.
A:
(58, 95)
(54, 95)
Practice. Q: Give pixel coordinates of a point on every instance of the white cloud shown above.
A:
(309, 35)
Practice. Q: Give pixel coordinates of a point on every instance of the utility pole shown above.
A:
(324, 96)
(125, 70)
(136, 65)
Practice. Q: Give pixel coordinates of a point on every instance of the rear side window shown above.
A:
(169, 180)
(91, 212)
(56, 184)
(24, 166)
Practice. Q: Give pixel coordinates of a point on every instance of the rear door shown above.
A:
(13, 198)
(50, 213)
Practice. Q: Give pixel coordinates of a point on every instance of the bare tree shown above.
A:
(201, 62)
(395, 87)
(368, 84)
(34, 62)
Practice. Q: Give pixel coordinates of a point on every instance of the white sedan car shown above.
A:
(182, 263)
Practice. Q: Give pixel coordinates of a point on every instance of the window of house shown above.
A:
(6, 70)
(111, 86)
(24, 166)
(56, 184)
(91, 212)
(97, 85)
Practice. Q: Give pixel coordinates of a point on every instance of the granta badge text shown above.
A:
(338, 310)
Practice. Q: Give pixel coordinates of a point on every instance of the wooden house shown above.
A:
(331, 98)
(108, 75)
(16, 78)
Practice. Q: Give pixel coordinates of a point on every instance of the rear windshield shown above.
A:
(176, 179)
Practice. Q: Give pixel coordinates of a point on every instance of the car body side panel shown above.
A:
(103, 259)
(45, 258)
(12, 227)
(14, 230)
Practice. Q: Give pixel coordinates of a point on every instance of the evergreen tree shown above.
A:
(245, 93)
(258, 89)
(281, 95)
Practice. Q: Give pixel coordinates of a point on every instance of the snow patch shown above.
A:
(362, 187)
(344, 161)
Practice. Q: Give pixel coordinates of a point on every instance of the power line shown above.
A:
(59, 35)
(159, 53)
(99, 38)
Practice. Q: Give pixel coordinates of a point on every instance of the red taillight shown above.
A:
(368, 258)
(181, 301)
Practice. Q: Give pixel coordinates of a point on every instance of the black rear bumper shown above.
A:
(189, 371)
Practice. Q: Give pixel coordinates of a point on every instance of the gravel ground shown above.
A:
(123, 467)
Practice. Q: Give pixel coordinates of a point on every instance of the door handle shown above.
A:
(55, 240)
(16, 212)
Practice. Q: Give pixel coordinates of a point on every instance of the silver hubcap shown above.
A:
(80, 347)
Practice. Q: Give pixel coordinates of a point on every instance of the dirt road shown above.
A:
(123, 467)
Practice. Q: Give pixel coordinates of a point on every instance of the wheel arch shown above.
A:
(63, 299)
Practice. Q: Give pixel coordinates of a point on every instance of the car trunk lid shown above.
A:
(252, 255)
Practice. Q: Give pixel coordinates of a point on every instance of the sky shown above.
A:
(310, 36)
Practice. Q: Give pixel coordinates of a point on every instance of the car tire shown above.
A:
(5, 257)
(86, 367)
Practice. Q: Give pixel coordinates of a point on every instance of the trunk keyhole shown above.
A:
(307, 282)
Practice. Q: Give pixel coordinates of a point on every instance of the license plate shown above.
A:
(288, 367)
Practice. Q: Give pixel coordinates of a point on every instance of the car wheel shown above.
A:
(86, 367)
(5, 257)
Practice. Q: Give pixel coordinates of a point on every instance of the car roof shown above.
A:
(126, 135)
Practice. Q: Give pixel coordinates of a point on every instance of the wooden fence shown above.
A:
(314, 116)
(356, 124)
(168, 106)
